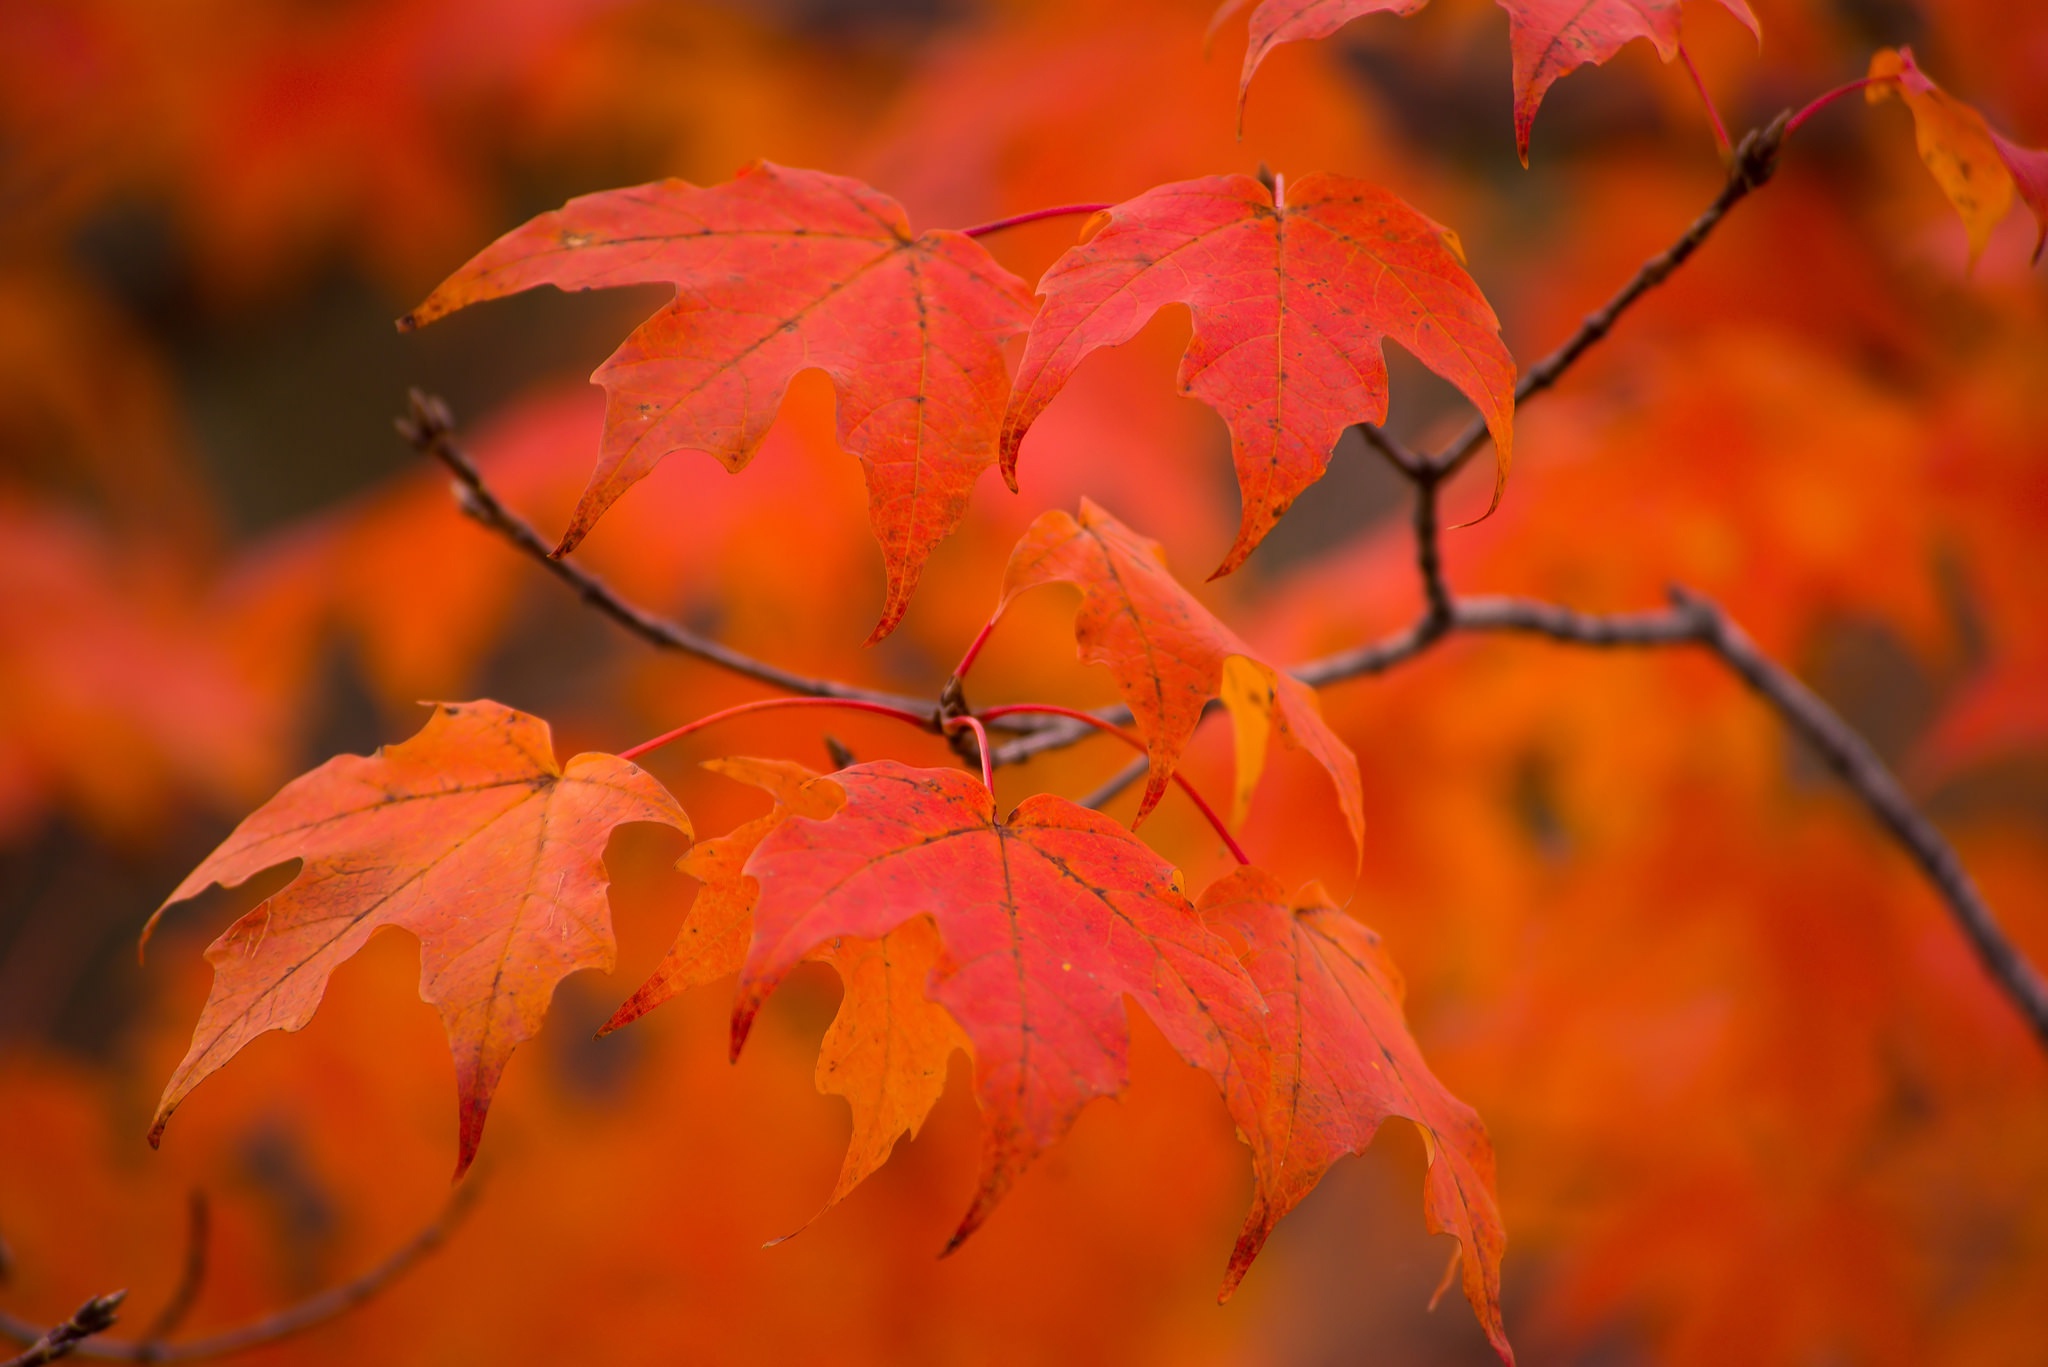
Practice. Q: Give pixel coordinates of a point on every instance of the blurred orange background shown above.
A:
(1753, 1098)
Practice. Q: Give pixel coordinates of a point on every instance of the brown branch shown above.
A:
(1429, 560)
(1531, 618)
(1405, 458)
(314, 1310)
(1858, 766)
(1756, 158)
(1117, 782)
(96, 1316)
(1696, 621)
(1055, 737)
(430, 429)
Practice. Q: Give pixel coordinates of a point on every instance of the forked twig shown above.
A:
(314, 1310)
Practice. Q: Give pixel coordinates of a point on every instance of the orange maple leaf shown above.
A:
(470, 836)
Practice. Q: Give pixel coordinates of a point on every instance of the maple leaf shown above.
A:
(886, 1049)
(470, 836)
(779, 271)
(1046, 921)
(1342, 1062)
(1977, 169)
(1291, 299)
(1548, 38)
(1170, 655)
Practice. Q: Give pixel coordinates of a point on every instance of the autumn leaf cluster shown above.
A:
(1749, 1093)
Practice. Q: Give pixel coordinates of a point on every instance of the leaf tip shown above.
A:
(1012, 440)
(470, 1136)
(1525, 123)
(1246, 1251)
(743, 1013)
(892, 614)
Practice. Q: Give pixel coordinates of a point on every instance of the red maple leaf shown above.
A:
(1548, 38)
(1047, 920)
(1341, 1063)
(1292, 294)
(779, 271)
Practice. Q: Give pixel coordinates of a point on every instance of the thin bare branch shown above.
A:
(96, 1316)
(1756, 158)
(1695, 621)
(1858, 766)
(430, 428)
(1056, 737)
(1117, 782)
(1406, 459)
(312, 1311)
(1672, 627)
(1374, 657)
(1429, 560)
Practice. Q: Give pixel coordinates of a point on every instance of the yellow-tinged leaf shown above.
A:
(1247, 691)
(1954, 141)
(887, 1049)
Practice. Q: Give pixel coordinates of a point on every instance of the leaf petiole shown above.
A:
(988, 773)
(1823, 101)
(1052, 709)
(769, 704)
(1699, 83)
(974, 649)
(1018, 220)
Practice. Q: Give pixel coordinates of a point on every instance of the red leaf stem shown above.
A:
(1128, 738)
(765, 704)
